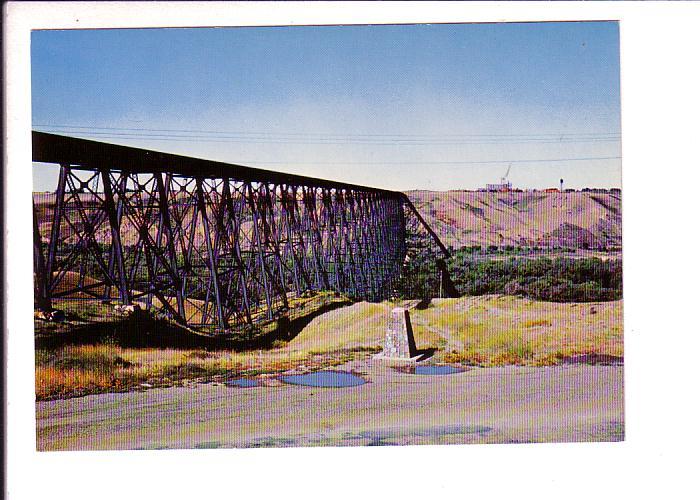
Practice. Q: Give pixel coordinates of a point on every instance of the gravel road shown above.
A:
(483, 405)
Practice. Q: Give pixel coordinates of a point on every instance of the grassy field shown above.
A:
(487, 330)
(79, 370)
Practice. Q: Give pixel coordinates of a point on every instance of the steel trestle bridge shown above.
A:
(209, 245)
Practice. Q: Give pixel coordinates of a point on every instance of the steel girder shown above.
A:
(215, 250)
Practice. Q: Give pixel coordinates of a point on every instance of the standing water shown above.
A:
(326, 378)
(431, 370)
(242, 382)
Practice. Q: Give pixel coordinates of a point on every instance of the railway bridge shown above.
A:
(209, 245)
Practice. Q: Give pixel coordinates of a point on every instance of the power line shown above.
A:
(486, 139)
(347, 141)
(484, 162)
(328, 135)
(427, 162)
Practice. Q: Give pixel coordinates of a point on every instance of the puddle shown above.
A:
(437, 370)
(242, 382)
(431, 369)
(325, 378)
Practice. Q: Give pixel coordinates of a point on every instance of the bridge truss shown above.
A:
(209, 245)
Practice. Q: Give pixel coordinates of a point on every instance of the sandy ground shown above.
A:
(483, 405)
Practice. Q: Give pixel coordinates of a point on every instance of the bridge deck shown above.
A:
(59, 149)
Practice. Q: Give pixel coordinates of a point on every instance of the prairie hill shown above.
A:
(463, 218)
(491, 329)
(574, 219)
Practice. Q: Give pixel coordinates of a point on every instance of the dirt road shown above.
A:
(484, 405)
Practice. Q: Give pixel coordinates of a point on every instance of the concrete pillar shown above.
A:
(399, 342)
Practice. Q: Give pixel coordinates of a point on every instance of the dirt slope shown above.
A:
(491, 328)
(462, 218)
(577, 219)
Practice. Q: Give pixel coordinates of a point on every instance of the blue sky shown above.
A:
(400, 107)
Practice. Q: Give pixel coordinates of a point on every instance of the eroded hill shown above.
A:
(464, 218)
(574, 219)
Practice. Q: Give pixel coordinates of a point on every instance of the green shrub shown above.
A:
(557, 280)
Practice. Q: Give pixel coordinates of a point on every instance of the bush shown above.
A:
(556, 280)
(561, 279)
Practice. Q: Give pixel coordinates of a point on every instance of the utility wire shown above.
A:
(325, 134)
(428, 162)
(349, 140)
(182, 135)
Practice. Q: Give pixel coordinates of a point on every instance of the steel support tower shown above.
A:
(208, 245)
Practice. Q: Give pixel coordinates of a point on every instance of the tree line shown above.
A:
(561, 279)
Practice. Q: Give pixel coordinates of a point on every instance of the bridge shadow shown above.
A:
(425, 353)
(143, 330)
(140, 330)
(423, 304)
(288, 329)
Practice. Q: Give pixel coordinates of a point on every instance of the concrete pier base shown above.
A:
(399, 344)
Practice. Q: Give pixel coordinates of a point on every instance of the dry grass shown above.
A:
(486, 331)
(79, 370)
(106, 364)
(51, 381)
(361, 325)
(536, 322)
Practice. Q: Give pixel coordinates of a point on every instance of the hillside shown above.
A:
(574, 219)
(490, 329)
(464, 218)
